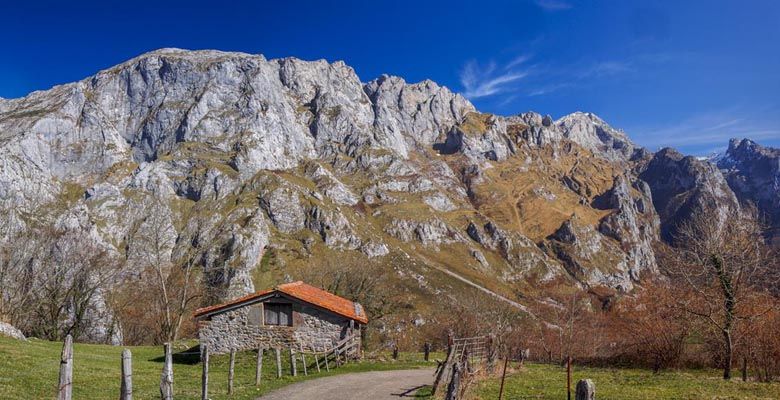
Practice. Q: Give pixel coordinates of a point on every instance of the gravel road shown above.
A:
(377, 385)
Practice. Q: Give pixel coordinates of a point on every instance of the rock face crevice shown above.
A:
(288, 161)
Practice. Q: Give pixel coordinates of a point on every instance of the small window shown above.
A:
(278, 314)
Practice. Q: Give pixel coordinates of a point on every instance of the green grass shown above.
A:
(541, 381)
(29, 370)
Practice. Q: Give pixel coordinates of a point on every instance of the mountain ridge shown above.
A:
(283, 164)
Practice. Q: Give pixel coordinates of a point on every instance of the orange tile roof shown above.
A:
(303, 292)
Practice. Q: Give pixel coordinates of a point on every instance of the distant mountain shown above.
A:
(307, 165)
(753, 173)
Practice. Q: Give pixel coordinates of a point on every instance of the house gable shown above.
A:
(297, 292)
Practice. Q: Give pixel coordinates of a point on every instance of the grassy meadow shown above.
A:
(29, 370)
(543, 381)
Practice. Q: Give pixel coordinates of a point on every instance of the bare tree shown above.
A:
(17, 255)
(174, 286)
(566, 321)
(718, 265)
(52, 282)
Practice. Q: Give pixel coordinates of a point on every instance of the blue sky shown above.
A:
(686, 74)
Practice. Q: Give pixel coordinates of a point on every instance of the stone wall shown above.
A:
(313, 329)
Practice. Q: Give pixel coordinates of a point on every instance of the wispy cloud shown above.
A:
(703, 132)
(492, 79)
(605, 68)
(543, 90)
(518, 60)
(553, 5)
(482, 81)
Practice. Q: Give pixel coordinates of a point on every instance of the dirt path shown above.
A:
(377, 385)
(479, 287)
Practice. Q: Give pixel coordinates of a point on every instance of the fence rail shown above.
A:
(465, 358)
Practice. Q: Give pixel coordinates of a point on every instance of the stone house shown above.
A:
(290, 315)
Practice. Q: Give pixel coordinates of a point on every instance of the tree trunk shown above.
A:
(166, 378)
(729, 354)
(729, 305)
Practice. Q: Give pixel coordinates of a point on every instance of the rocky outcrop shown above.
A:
(592, 133)
(633, 223)
(522, 255)
(430, 233)
(682, 186)
(9, 330)
(591, 257)
(413, 115)
(753, 173)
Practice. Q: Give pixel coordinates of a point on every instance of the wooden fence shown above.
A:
(466, 357)
(344, 351)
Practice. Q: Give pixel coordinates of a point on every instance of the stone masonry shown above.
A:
(313, 329)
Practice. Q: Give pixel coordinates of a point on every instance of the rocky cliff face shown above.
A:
(753, 173)
(284, 164)
(682, 186)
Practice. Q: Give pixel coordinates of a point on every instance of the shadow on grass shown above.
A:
(419, 392)
(190, 356)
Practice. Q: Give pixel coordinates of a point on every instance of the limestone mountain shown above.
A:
(284, 165)
(753, 173)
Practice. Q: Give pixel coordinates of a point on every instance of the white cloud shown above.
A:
(553, 5)
(520, 59)
(707, 130)
(482, 81)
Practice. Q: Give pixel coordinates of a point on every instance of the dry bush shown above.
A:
(648, 330)
(53, 283)
(759, 344)
(569, 324)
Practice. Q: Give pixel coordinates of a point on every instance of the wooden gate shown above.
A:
(467, 356)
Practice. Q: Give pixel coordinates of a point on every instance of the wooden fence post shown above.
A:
(293, 363)
(744, 368)
(317, 361)
(166, 379)
(586, 390)
(204, 358)
(427, 350)
(65, 387)
(444, 368)
(453, 389)
(278, 362)
(491, 354)
(503, 377)
(231, 370)
(259, 366)
(303, 361)
(126, 387)
(568, 377)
